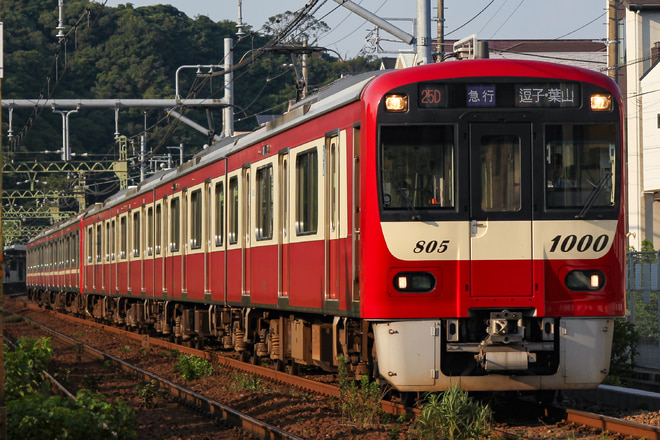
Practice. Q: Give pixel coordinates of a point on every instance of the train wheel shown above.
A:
(545, 398)
(408, 398)
(244, 356)
(293, 368)
(278, 365)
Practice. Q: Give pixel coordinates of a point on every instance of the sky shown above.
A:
(488, 19)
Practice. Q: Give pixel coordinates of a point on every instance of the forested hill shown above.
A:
(129, 52)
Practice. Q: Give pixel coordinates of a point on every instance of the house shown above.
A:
(641, 23)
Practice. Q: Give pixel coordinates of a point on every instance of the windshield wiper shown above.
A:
(593, 195)
(409, 203)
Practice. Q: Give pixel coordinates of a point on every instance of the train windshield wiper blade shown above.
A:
(592, 196)
(409, 203)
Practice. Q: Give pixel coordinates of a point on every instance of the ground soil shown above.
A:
(307, 415)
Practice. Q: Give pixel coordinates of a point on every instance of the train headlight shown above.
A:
(414, 282)
(396, 103)
(601, 102)
(585, 280)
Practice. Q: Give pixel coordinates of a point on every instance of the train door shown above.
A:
(332, 252)
(246, 230)
(500, 210)
(173, 258)
(160, 249)
(283, 224)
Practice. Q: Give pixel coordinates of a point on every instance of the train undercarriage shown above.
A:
(286, 340)
(491, 350)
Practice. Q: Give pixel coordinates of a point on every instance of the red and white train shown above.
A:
(461, 222)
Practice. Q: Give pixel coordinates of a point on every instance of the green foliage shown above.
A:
(147, 392)
(624, 348)
(90, 416)
(242, 381)
(359, 404)
(452, 415)
(192, 368)
(24, 367)
(33, 414)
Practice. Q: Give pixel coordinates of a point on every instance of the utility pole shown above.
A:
(423, 42)
(228, 111)
(440, 41)
(612, 40)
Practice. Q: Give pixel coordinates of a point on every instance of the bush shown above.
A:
(90, 416)
(624, 348)
(360, 404)
(24, 367)
(452, 415)
(33, 414)
(192, 368)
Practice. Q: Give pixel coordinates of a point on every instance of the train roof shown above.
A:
(335, 95)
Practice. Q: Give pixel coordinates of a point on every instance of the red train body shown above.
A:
(457, 222)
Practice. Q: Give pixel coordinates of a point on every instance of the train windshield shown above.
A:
(580, 167)
(417, 167)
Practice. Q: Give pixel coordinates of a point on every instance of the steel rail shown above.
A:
(612, 424)
(215, 358)
(216, 409)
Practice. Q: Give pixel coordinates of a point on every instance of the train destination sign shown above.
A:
(547, 95)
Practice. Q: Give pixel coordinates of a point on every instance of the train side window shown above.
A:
(159, 227)
(90, 243)
(137, 244)
(99, 231)
(123, 237)
(307, 193)
(108, 244)
(175, 224)
(76, 249)
(219, 213)
(232, 214)
(150, 231)
(265, 203)
(196, 219)
(113, 240)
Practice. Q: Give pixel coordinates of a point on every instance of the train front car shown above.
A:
(493, 225)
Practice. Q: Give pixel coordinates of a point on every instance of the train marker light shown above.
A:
(601, 102)
(396, 103)
(414, 282)
(585, 280)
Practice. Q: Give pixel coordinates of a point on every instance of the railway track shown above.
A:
(250, 425)
(199, 400)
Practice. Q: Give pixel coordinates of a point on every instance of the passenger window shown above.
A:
(307, 192)
(233, 211)
(175, 224)
(219, 213)
(265, 203)
(196, 219)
